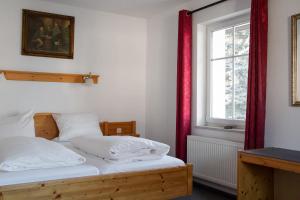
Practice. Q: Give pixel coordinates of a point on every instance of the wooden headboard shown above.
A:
(119, 128)
(46, 127)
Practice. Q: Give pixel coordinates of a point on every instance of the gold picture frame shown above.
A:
(295, 19)
(47, 34)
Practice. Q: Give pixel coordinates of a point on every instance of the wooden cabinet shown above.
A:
(267, 174)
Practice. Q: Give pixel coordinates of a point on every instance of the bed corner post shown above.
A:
(190, 179)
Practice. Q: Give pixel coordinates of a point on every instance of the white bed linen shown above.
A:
(76, 124)
(24, 153)
(17, 125)
(105, 167)
(93, 166)
(30, 176)
(121, 149)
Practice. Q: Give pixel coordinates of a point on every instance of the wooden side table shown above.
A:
(269, 173)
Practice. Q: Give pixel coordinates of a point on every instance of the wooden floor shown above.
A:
(201, 192)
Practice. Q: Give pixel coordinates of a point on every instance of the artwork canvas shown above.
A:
(46, 34)
(297, 71)
(295, 60)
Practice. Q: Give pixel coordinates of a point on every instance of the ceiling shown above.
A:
(135, 8)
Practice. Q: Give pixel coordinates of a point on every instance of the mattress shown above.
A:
(30, 176)
(105, 167)
(93, 166)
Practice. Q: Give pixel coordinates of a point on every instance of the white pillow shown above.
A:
(17, 125)
(25, 153)
(74, 125)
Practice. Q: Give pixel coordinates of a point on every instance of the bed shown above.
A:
(94, 180)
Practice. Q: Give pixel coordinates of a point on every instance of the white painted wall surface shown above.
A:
(161, 79)
(282, 125)
(110, 45)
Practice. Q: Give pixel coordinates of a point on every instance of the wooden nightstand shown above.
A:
(119, 128)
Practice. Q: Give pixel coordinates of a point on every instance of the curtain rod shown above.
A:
(207, 6)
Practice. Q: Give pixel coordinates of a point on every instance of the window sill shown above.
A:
(235, 130)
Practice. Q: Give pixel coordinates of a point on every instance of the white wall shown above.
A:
(282, 125)
(161, 79)
(110, 45)
(162, 69)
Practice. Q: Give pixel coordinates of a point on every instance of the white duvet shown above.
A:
(25, 153)
(121, 148)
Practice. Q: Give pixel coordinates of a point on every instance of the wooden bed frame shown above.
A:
(152, 184)
(119, 128)
(46, 127)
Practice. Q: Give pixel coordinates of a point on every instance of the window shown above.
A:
(228, 53)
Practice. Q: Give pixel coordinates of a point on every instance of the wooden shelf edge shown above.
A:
(46, 77)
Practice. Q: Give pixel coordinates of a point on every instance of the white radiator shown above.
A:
(214, 160)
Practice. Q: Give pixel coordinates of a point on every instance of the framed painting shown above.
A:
(47, 35)
(296, 60)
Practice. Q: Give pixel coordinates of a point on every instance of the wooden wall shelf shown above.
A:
(46, 77)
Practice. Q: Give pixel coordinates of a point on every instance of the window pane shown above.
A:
(242, 35)
(222, 89)
(240, 87)
(222, 42)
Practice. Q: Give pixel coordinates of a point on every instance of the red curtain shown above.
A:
(184, 83)
(256, 102)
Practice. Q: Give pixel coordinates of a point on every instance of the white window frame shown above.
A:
(238, 20)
